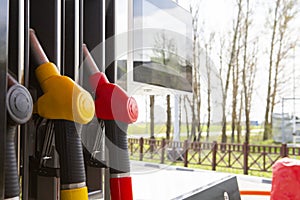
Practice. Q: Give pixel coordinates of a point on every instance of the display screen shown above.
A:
(160, 49)
(162, 44)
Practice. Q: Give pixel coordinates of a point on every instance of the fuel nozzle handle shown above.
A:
(117, 109)
(112, 102)
(19, 106)
(68, 105)
(62, 98)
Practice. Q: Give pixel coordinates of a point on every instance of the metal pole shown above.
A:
(25, 136)
(4, 10)
(106, 184)
(4, 25)
(73, 37)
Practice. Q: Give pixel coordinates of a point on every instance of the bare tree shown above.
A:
(180, 112)
(280, 46)
(228, 71)
(195, 104)
(248, 72)
(235, 86)
(208, 65)
(285, 46)
(198, 98)
(185, 99)
(152, 100)
(239, 120)
(208, 71)
(267, 127)
(245, 86)
(168, 124)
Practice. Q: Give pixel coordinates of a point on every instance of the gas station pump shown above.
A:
(68, 105)
(117, 109)
(50, 153)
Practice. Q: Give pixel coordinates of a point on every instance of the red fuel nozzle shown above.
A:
(117, 109)
(112, 102)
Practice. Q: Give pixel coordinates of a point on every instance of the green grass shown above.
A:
(137, 128)
(143, 129)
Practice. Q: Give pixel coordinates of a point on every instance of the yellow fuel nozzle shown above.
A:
(62, 98)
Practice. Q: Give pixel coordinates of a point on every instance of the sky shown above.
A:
(218, 15)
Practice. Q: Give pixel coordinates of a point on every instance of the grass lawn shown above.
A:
(143, 130)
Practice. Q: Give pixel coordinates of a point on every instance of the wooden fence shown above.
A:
(215, 155)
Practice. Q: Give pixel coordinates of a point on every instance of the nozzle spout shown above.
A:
(89, 61)
(37, 53)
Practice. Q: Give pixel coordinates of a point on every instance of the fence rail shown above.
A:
(215, 155)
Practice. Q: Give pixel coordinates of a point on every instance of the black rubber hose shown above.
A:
(69, 147)
(92, 138)
(116, 135)
(12, 185)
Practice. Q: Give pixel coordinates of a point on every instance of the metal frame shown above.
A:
(93, 28)
(13, 48)
(93, 37)
(72, 38)
(4, 10)
(45, 18)
(24, 136)
(93, 34)
(110, 32)
(109, 69)
(18, 64)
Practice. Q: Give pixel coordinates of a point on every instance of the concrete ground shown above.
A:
(154, 182)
